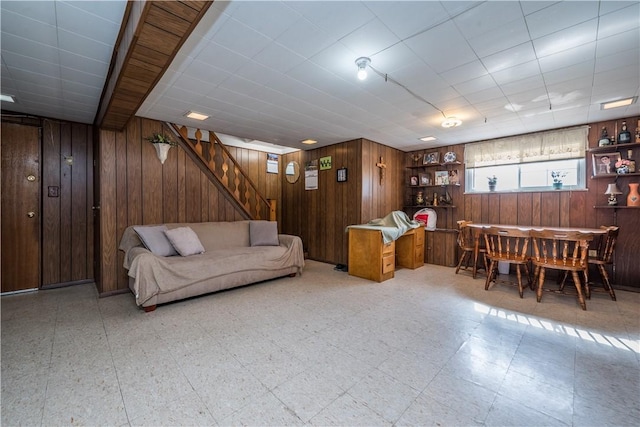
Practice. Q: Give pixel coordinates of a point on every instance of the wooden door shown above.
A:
(20, 207)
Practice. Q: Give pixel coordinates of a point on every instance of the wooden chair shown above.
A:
(507, 245)
(566, 251)
(604, 257)
(467, 242)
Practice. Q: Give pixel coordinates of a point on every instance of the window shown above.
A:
(525, 162)
(527, 176)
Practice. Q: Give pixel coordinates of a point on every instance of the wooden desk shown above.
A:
(371, 258)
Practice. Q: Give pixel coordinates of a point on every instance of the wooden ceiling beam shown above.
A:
(151, 35)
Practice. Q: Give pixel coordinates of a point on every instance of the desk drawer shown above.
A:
(388, 248)
(388, 263)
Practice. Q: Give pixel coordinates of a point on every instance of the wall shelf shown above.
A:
(615, 175)
(614, 147)
(430, 206)
(616, 207)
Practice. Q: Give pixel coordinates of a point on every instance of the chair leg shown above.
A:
(490, 274)
(462, 258)
(475, 264)
(540, 274)
(605, 280)
(564, 279)
(576, 279)
(536, 274)
(519, 276)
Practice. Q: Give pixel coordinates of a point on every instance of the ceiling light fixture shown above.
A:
(618, 103)
(362, 63)
(309, 141)
(7, 98)
(427, 138)
(451, 122)
(196, 116)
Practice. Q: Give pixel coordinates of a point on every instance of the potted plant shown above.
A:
(622, 166)
(493, 180)
(162, 144)
(557, 177)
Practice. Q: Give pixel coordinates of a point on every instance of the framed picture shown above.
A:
(424, 179)
(342, 175)
(442, 177)
(604, 163)
(454, 177)
(413, 180)
(431, 158)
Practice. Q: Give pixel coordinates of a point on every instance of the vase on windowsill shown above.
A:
(557, 186)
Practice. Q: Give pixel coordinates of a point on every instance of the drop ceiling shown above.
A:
(282, 72)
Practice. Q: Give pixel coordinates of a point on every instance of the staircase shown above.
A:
(215, 157)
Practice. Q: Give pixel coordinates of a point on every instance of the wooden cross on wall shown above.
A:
(382, 167)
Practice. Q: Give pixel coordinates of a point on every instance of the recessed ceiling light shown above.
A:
(7, 98)
(196, 116)
(427, 138)
(618, 103)
(309, 141)
(451, 122)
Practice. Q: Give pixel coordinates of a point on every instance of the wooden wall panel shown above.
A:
(51, 207)
(122, 218)
(79, 205)
(66, 230)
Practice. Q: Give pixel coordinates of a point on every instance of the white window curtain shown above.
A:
(570, 143)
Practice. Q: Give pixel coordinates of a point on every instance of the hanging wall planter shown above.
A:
(162, 143)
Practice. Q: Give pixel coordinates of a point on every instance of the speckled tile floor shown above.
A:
(426, 348)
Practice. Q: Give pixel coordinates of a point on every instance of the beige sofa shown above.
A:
(235, 254)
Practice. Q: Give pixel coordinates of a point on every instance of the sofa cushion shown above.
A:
(263, 233)
(154, 239)
(185, 240)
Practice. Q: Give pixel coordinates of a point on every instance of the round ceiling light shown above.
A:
(451, 122)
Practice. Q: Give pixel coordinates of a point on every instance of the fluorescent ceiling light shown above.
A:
(427, 138)
(451, 122)
(196, 116)
(7, 98)
(309, 141)
(618, 103)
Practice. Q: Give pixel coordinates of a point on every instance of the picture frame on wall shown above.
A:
(442, 178)
(605, 163)
(413, 181)
(431, 158)
(342, 175)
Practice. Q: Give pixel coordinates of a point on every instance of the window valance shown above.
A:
(561, 144)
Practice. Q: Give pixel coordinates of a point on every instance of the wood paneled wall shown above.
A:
(136, 189)
(321, 216)
(67, 220)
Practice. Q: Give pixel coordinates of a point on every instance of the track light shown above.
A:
(362, 63)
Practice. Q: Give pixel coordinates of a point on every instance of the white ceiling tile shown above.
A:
(560, 16)
(619, 21)
(411, 18)
(481, 19)
(509, 58)
(371, 38)
(572, 72)
(611, 6)
(455, 8)
(529, 7)
(618, 59)
(21, 62)
(336, 21)
(313, 41)
(475, 85)
(82, 63)
(619, 42)
(268, 18)
(517, 72)
(465, 72)
(631, 73)
(485, 95)
(86, 24)
(85, 47)
(442, 47)
(42, 11)
(278, 57)
(33, 49)
(222, 57)
(29, 29)
(566, 39)
(80, 88)
(241, 39)
(509, 35)
(209, 75)
(530, 83)
(568, 57)
(82, 77)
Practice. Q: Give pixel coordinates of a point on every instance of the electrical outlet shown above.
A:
(593, 253)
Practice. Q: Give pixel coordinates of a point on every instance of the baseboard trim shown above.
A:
(112, 293)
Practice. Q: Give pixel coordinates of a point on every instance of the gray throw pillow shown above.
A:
(154, 239)
(185, 240)
(263, 233)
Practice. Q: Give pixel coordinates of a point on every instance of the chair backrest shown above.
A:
(608, 243)
(506, 243)
(465, 235)
(566, 248)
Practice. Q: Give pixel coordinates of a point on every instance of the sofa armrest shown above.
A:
(287, 240)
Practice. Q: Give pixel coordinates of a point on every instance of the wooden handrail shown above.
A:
(219, 161)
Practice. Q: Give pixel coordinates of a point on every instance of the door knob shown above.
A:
(31, 214)
(31, 178)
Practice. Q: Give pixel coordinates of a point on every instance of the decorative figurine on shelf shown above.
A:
(624, 136)
(419, 198)
(638, 132)
(435, 199)
(604, 138)
(416, 158)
